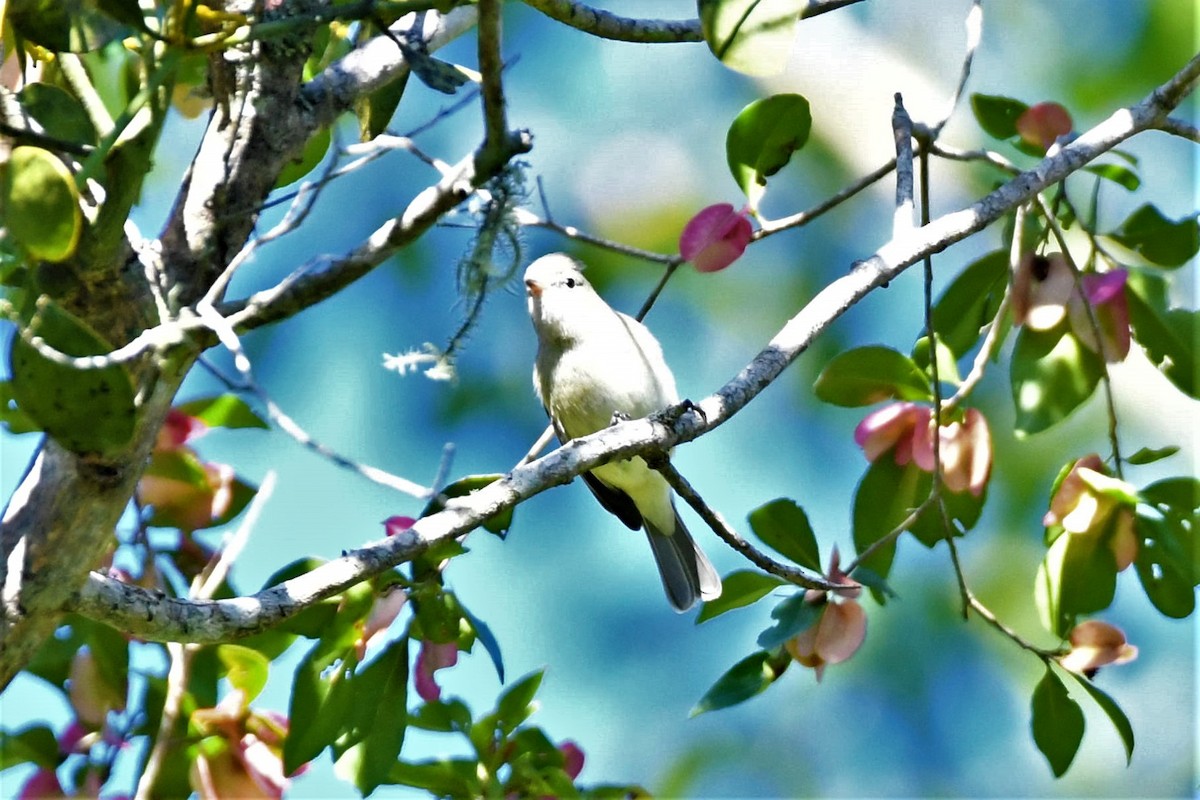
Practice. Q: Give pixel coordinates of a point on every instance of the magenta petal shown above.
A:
(715, 238)
(1102, 287)
(395, 525)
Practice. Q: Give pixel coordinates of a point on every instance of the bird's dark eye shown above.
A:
(571, 283)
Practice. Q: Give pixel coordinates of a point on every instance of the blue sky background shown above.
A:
(629, 141)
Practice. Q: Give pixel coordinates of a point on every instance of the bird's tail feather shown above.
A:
(687, 575)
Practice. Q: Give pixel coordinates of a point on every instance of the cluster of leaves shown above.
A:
(1096, 524)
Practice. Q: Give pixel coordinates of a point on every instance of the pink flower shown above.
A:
(834, 637)
(1095, 644)
(243, 756)
(716, 237)
(397, 525)
(384, 611)
(907, 429)
(433, 656)
(1105, 293)
(90, 694)
(177, 430)
(572, 759)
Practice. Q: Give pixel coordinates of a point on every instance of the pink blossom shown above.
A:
(1095, 644)
(834, 637)
(906, 429)
(177, 430)
(394, 526)
(1105, 293)
(42, 785)
(384, 611)
(1089, 502)
(572, 759)
(1042, 287)
(716, 237)
(432, 657)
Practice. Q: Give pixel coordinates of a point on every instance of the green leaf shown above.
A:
(739, 589)
(763, 137)
(744, 680)
(793, 617)
(1122, 176)
(1057, 723)
(867, 375)
(1147, 455)
(516, 704)
(41, 204)
(223, 411)
(784, 526)
(1167, 334)
(65, 25)
(33, 744)
(1112, 711)
(970, 302)
(1164, 563)
(751, 36)
(58, 112)
(86, 411)
(997, 115)
(498, 523)
(1052, 375)
(14, 419)
(1078, 576)
(375, 111)
(443, 716)
(320, 704)
(962, 508)
(946, 361)
(381, 700)
(448, 777)
(484, 634)
(245, 669)
(887, 493)
(1168, 243)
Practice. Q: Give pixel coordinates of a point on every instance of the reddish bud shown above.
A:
(433, 656)
(572, 759)
(833, 638)
(715, 238)
(1040, 125)
(1105, 293)
(1095, 644)
(397, 525)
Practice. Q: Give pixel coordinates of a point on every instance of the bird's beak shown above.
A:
(533, 288)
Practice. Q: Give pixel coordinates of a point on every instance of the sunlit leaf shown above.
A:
(246, 669)
(751, 36)
(67, 25)
(739, 589)
(381, 718)
(784, 527)
(886, 495)
(314, 151)
(1078, 576)
(223, 411)
(763, 137)
(1052, 375)
(32, 744)
(867, 375)
(1057, 723)
(516, 704)
(41, 204)
(58, 112)
(1123, 176)
(320, 704)
(1165, 563)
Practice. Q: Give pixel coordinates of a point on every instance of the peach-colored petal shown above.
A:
(843, 628)
(1095, 644)
(1124, 541)
(1042, 286)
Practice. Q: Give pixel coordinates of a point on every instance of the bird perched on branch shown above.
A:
(594, 363)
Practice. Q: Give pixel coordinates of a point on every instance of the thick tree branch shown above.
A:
(156, 617)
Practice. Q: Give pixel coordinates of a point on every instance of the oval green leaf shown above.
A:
(867, 375)
(997, 115)
(41, 204)
(1052, 375)
(783, 526)
(1057, 723)
(748, 677)
(739, 589)
(1168, 243)
(763, 137)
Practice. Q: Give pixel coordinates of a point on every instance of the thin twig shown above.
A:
(490, 66)
(289, 426)
(1180, 127)
(731, 537)
(891, 536)
(657, 290)
(538, 446)
(983, 611)
(974, 26)
(769, 227)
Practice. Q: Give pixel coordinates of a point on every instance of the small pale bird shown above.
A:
(592, 362)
